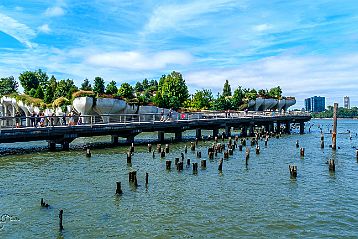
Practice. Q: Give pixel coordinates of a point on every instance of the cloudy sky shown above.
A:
(307, 47)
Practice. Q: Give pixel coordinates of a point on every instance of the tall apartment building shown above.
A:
(315, 104)
(347, 103)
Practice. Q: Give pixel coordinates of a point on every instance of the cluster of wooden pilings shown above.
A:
(219, 149)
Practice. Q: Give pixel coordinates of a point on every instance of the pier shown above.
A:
(128, 126)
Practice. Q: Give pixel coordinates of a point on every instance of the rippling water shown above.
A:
(257, 201)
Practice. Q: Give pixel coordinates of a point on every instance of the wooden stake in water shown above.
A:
(61, 218)
(334, 133)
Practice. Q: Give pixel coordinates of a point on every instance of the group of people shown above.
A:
(42, 120)
(169, 115)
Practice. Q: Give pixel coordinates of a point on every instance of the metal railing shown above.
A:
(20, 122)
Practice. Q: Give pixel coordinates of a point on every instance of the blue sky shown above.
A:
(307, 47)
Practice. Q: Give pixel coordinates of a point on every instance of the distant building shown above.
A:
(315, 104)
(347, 103)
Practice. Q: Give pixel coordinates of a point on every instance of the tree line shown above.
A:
(170, 91)
(341, 113)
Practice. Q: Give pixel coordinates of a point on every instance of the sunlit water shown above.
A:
(257, 201)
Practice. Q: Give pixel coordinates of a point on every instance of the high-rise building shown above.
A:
(315, 104)
(308, 104)
(347, 103)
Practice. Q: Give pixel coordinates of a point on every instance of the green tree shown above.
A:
(172, 91)
(86, 85)
(50, 90)
(112, 88)
(29, 80)
(126, 91)
(226, 89)
(39, 93)
(8, 85)
(202, 99)
(32, 92)
(145, 84)
(275, 92)
(138, 87)
(222, 103)
(98, 85)
(65, 88)
(237, 98)
(42, 78)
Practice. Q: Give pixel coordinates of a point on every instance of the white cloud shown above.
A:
(177, 15)
(262, 27)
(138, 61)
(54, 11)
(333, 77)
(44, 28)
(17, 30)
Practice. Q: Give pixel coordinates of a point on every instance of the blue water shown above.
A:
(255, 201)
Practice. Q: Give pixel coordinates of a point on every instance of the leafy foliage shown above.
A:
(8, 85)
(172, 91)
(112, 88)
(226, 89)
(98, 85)
(86, 85)
(65, 88)
(202, 99)
(126, 91)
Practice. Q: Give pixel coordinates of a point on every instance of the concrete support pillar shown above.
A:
(267, 127)
(228, 131)
(287, 127)
(278, 127)
(302, 127)
(161, 136)
(114, 139)
(244, 131)
(65, 145)
(198, 133)
(130, 139)
(215, 132)
(271, 127)
(251, 131)
(178, 136)
(51, 145)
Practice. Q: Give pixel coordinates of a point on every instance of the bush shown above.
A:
(83, 93)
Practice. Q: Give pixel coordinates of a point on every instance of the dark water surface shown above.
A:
(258, 201)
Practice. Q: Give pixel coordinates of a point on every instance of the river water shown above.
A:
(257, 201)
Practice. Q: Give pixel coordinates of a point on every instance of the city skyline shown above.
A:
(305, 47)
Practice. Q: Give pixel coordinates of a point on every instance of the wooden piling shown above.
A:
(293, 171)
(257, 149)
(159, 148)
(132, 148)
(146, 178)
(119, 188)
(220, 168)
(129, 158)
(231, 151)
(61, 219)
(176, 161)
(203, 163)
(168, 164)
(297, 144)
(88, 153)
(162, 154)
(334, 133)
(149, 148)
(198, 154)
(188, 162)
(302, 152)
(195, 167)
(192, 146)
(186, 149)
(332, 165)
(167, 148)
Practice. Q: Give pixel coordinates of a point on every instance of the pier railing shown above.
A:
(19, 122)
